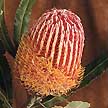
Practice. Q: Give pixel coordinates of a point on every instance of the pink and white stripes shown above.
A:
(59, 35)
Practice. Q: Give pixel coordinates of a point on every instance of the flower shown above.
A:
(48, 60)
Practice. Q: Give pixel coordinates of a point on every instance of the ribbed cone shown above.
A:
(48, 60)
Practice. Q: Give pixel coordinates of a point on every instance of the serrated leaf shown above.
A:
(77, 104)
(22, 18)
(94, 69)
(4, 101)
(5, 77)
(4, 36)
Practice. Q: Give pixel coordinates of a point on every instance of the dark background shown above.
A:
(94, 16)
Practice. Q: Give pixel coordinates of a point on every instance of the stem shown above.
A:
(3, 98)
(32, 102)
(35, 100)
(42, 104)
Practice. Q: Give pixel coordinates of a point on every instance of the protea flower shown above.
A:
(48, 60)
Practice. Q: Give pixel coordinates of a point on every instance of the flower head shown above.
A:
(48, 59)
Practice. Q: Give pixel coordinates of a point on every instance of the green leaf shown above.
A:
(77, 104)
(1, 5)
(94, 69)
(5, 77)
(4, 100)
(4, 36)
(22, 18)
